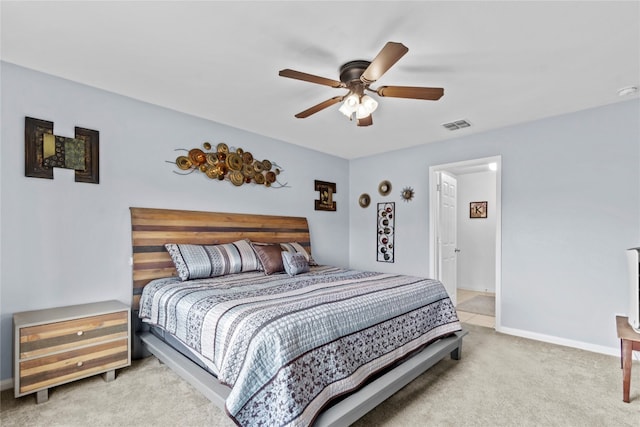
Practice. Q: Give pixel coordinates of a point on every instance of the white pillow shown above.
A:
(295, 247)
(294, 263)
(200, 261)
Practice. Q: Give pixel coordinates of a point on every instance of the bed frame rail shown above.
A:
(342, 414)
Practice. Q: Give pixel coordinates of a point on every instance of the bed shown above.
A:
(273, 348)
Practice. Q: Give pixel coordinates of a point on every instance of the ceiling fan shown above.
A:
(357, 76)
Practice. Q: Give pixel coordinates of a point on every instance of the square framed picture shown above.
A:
(478, 210)
(326, 191)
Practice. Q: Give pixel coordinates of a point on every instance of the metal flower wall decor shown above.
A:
(229, 164)
(386, 231)
(407, 194)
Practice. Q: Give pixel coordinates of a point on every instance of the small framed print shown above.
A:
(326, 191)
(478, 210)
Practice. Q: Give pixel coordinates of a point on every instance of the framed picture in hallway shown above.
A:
(478, 210)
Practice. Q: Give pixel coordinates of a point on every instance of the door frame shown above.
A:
(474, 164)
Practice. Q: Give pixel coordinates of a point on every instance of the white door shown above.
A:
(447, 232)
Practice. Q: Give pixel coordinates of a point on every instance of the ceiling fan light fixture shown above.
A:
(350, 105)
(362, 112)
(357, 76)
(344, 109)
(352, 101)
(369, 103)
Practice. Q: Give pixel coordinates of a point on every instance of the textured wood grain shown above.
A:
(59, 336)
(61, 367)
(151, 229)
(57, 345)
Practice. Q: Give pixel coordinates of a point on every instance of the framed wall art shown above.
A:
(478, 210)
(326, 191)
(386, 232)
(44, 151)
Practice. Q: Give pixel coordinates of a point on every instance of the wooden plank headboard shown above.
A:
(152, 228)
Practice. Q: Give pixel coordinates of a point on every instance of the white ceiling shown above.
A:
(500, 63)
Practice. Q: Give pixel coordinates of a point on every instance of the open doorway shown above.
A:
(462, 255)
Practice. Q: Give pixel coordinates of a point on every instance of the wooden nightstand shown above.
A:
(58, 345)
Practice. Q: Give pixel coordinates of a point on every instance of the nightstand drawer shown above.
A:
(59, 336)
(46, 371)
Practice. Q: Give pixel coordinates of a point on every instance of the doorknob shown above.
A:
(456, 250)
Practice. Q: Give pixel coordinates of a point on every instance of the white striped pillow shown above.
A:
(200, 261)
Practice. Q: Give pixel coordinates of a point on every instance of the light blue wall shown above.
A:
(68, 243)
(570, 197)
(570, 208)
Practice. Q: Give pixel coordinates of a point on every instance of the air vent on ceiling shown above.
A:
(458, 124)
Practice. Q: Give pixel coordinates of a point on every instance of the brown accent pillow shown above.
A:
(270, 256)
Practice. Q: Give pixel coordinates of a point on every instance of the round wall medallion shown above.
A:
(364, 200)
(407, 194)
(384, 188)
(222, 148)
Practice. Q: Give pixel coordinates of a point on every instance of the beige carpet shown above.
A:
(479, 304)
(500, 381)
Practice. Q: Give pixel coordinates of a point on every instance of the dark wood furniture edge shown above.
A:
(629, 342)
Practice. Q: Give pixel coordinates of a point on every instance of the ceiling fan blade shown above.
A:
(328, 103)
(367, 121)
(428, 93)
(298, 75)
(389, 55)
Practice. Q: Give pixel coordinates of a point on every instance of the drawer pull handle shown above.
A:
(79, 364)
(80, 333)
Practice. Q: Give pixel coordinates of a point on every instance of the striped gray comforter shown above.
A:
(288, 345)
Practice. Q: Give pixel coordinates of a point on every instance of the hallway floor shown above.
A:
(473, 318)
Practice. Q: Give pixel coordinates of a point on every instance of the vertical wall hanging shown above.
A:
(386, 231)
(44, 151)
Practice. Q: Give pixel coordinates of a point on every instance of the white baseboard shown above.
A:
(6, 384)
(474, 289)
(611, 351)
